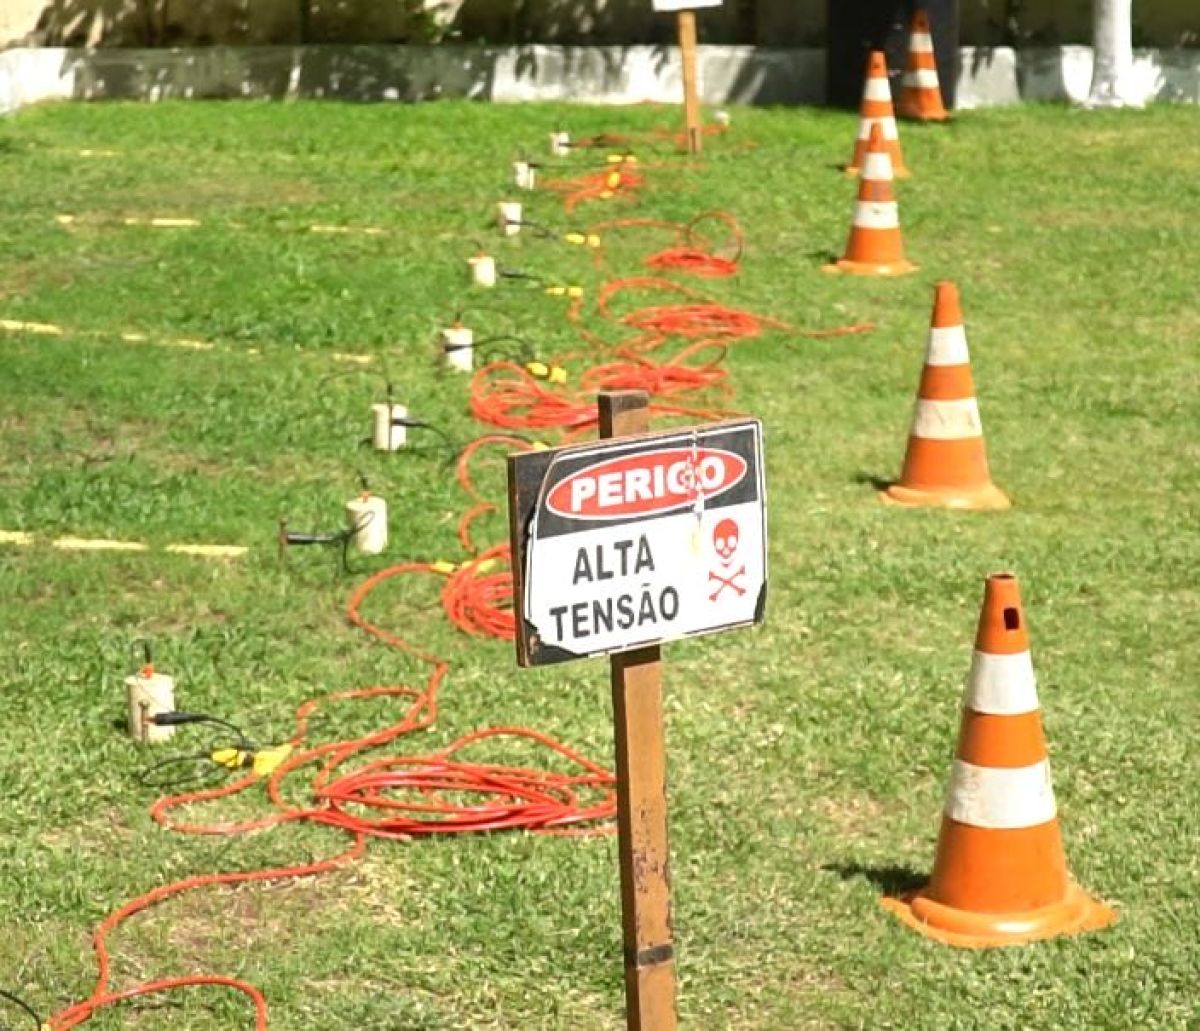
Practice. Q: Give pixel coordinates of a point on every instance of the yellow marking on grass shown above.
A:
(209, 550)
(44, 328)
(364, 230)
(162, 223)
(96, 544)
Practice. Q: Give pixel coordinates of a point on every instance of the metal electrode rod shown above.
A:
(641, 767)
(691, 96)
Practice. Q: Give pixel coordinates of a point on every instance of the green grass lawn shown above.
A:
(807, 758)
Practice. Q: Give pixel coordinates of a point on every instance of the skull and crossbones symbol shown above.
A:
(725, 543)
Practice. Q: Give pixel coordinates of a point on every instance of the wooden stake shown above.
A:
(641, 794)
(691, 95)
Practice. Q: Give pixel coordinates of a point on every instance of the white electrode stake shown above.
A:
(483, 270)
(457, 341)
(366, 517)
(508, 214)
(524, 175)
(149, 694)
(560, 144)
(390, 433)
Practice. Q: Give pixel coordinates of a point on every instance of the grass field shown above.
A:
(807, 758)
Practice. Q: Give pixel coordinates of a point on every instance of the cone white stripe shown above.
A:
(1001, 685)
(947, 420)
(920, 43)
(888, 124)
(877, 215)
(877, 165)
(922, 78)
(947, 346)
(1000, 798)
(877, 88)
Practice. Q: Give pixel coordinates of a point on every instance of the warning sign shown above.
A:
(638, 540)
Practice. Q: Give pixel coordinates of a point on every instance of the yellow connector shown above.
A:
(443, 567)
(539, 445)
(557, 374)
(574, 291)
(230, 758)
(593, 240)
(579, 239)
(539, 369)
(268, 760)
(556, 291)
(486, 566)
(613, 180)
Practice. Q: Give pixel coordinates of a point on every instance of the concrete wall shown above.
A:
(1156, 23)
(734, 74)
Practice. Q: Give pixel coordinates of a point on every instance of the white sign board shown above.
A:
(639, 540)
(671, 6)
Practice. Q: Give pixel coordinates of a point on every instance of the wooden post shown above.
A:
(691, 95)
(641, 795)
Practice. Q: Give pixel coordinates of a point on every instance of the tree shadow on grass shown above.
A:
(891, 880)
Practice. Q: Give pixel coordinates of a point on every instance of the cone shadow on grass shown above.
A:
(873, 480)
(891, 880)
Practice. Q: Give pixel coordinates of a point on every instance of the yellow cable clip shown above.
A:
(556, 291)
(539, 445)
(593, 240)
(486, 566)
(574, 291)
(576, 238)
(442, 566)
(557, 374)
(613, 180)
(539, 369)
(230, 758)
(268, 760)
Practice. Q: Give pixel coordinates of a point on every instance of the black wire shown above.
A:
(29, 1010)
(512, 273)
(206, 771)
(540, 231)
(242, 744)
(501, 337)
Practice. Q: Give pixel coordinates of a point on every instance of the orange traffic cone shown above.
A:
(946, 464)
(1000, 875)
(920, 94)
(875, 247)
(877, 110)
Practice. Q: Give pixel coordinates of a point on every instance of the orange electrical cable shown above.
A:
(407, 796)
(622, 179)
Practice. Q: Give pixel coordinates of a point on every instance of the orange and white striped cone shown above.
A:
(1000, 874)
(920, 92)
(875, 247)
(946, 462)
(876, 110)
